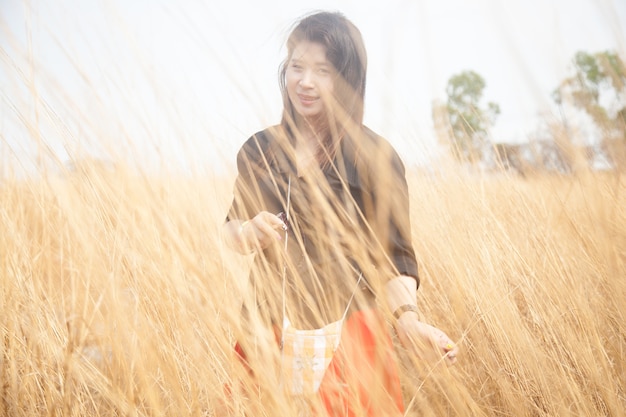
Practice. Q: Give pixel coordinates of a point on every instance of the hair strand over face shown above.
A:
(345, 50)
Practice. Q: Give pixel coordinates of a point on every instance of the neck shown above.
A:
(312, 127)
(307, 144)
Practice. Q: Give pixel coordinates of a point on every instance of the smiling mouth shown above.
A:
(307, 99)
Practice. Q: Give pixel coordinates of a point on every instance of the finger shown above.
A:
(265, 225)
(451, 359)
(451, 350)
(277, 223)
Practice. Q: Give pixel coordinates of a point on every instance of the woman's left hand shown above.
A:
(425, 340)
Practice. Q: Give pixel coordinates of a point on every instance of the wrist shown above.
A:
(405, 308)
(242, 226)
(242, 240)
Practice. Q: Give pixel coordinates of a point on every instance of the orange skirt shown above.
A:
(362, 378)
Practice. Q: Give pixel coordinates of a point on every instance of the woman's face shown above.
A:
(309, 79)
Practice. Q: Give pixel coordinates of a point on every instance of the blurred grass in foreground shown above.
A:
(117, 296)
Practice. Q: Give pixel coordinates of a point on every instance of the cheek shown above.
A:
(327, 84)
(291, 82)
(326, 88)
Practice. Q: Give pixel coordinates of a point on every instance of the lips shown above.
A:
(306, 99)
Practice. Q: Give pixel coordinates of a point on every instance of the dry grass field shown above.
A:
(117, 296)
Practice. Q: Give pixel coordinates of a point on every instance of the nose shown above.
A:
(307, 79)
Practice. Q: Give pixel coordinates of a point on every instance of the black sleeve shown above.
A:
(247, 198)
(389, 212)
(401, 247)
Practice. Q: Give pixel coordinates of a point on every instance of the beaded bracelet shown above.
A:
(403, 309)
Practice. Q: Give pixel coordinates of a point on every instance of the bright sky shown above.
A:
(185, 82)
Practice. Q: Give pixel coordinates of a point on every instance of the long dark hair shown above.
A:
(346, 52)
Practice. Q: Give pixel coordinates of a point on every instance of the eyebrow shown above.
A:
(318, 64)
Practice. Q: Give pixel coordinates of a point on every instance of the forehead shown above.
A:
(311, 52)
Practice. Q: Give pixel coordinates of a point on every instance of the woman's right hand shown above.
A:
(260, 231)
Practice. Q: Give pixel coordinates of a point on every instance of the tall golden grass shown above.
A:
(118, 296)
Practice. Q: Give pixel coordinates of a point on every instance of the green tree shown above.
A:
(469, 122)
(598, 87)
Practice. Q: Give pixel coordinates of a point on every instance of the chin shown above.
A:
(309, 113)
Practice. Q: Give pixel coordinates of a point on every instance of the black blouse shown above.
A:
(349, 219)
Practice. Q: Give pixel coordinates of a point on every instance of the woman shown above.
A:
(322, 202)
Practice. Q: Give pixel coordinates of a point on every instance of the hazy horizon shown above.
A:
(186, 83)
